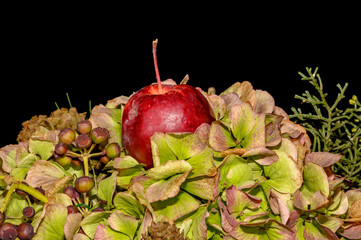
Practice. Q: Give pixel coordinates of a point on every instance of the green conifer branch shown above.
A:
(332, 129)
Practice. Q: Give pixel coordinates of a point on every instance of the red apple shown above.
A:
(161, 108)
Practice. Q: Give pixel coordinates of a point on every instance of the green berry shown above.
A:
(84, 184)
(67, 136)
(63, 160)
(113, 150)
(84, 127)
(99, 135)
(60, 148)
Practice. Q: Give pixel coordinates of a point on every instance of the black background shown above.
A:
(98, 56)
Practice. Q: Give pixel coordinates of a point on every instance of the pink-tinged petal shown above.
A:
(218, 106)
(253, 217)
(352, 231)
(328, 232)
(147, 221)
(314, 231)
(302, 148)
(299, 201)
(280, 112)
(264, 102)
(203, 132)
(231, 99)
(278, 206)
(323, 159)
(44, 174)
(168, 169)
(335, 182)
(332, 223)
(184, 145)
(228, 237)
(280, 229)
(199, 226)
(338, 204)
(220, 138)
(268, 229)
(227, 220)
(262, 155)
(244, 91)
(238, 200)
(72, 225)
(287, 146)
(123, 223)
(284, 175)
(292, 129)
(242, 119)
(294, 219)
(164, 189)
(273, 130)
(257, 137)
(205, 187)
(314, 179)
(106, 233)
(353, 195)
(318, 200)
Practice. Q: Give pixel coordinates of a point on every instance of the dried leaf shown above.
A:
(109, 118)
(72, 225)
(44, 174)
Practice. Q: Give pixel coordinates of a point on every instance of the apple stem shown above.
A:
(156, 65)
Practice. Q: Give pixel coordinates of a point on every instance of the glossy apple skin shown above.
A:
(180, 108)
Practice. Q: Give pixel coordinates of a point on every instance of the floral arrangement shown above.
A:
(250, 174)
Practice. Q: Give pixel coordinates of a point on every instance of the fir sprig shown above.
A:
(333, 129)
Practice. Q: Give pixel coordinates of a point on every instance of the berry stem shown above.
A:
(97, 154)
(86, 165)
(73, 154)
(156, 65)
(7, 198)
(30, 190)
